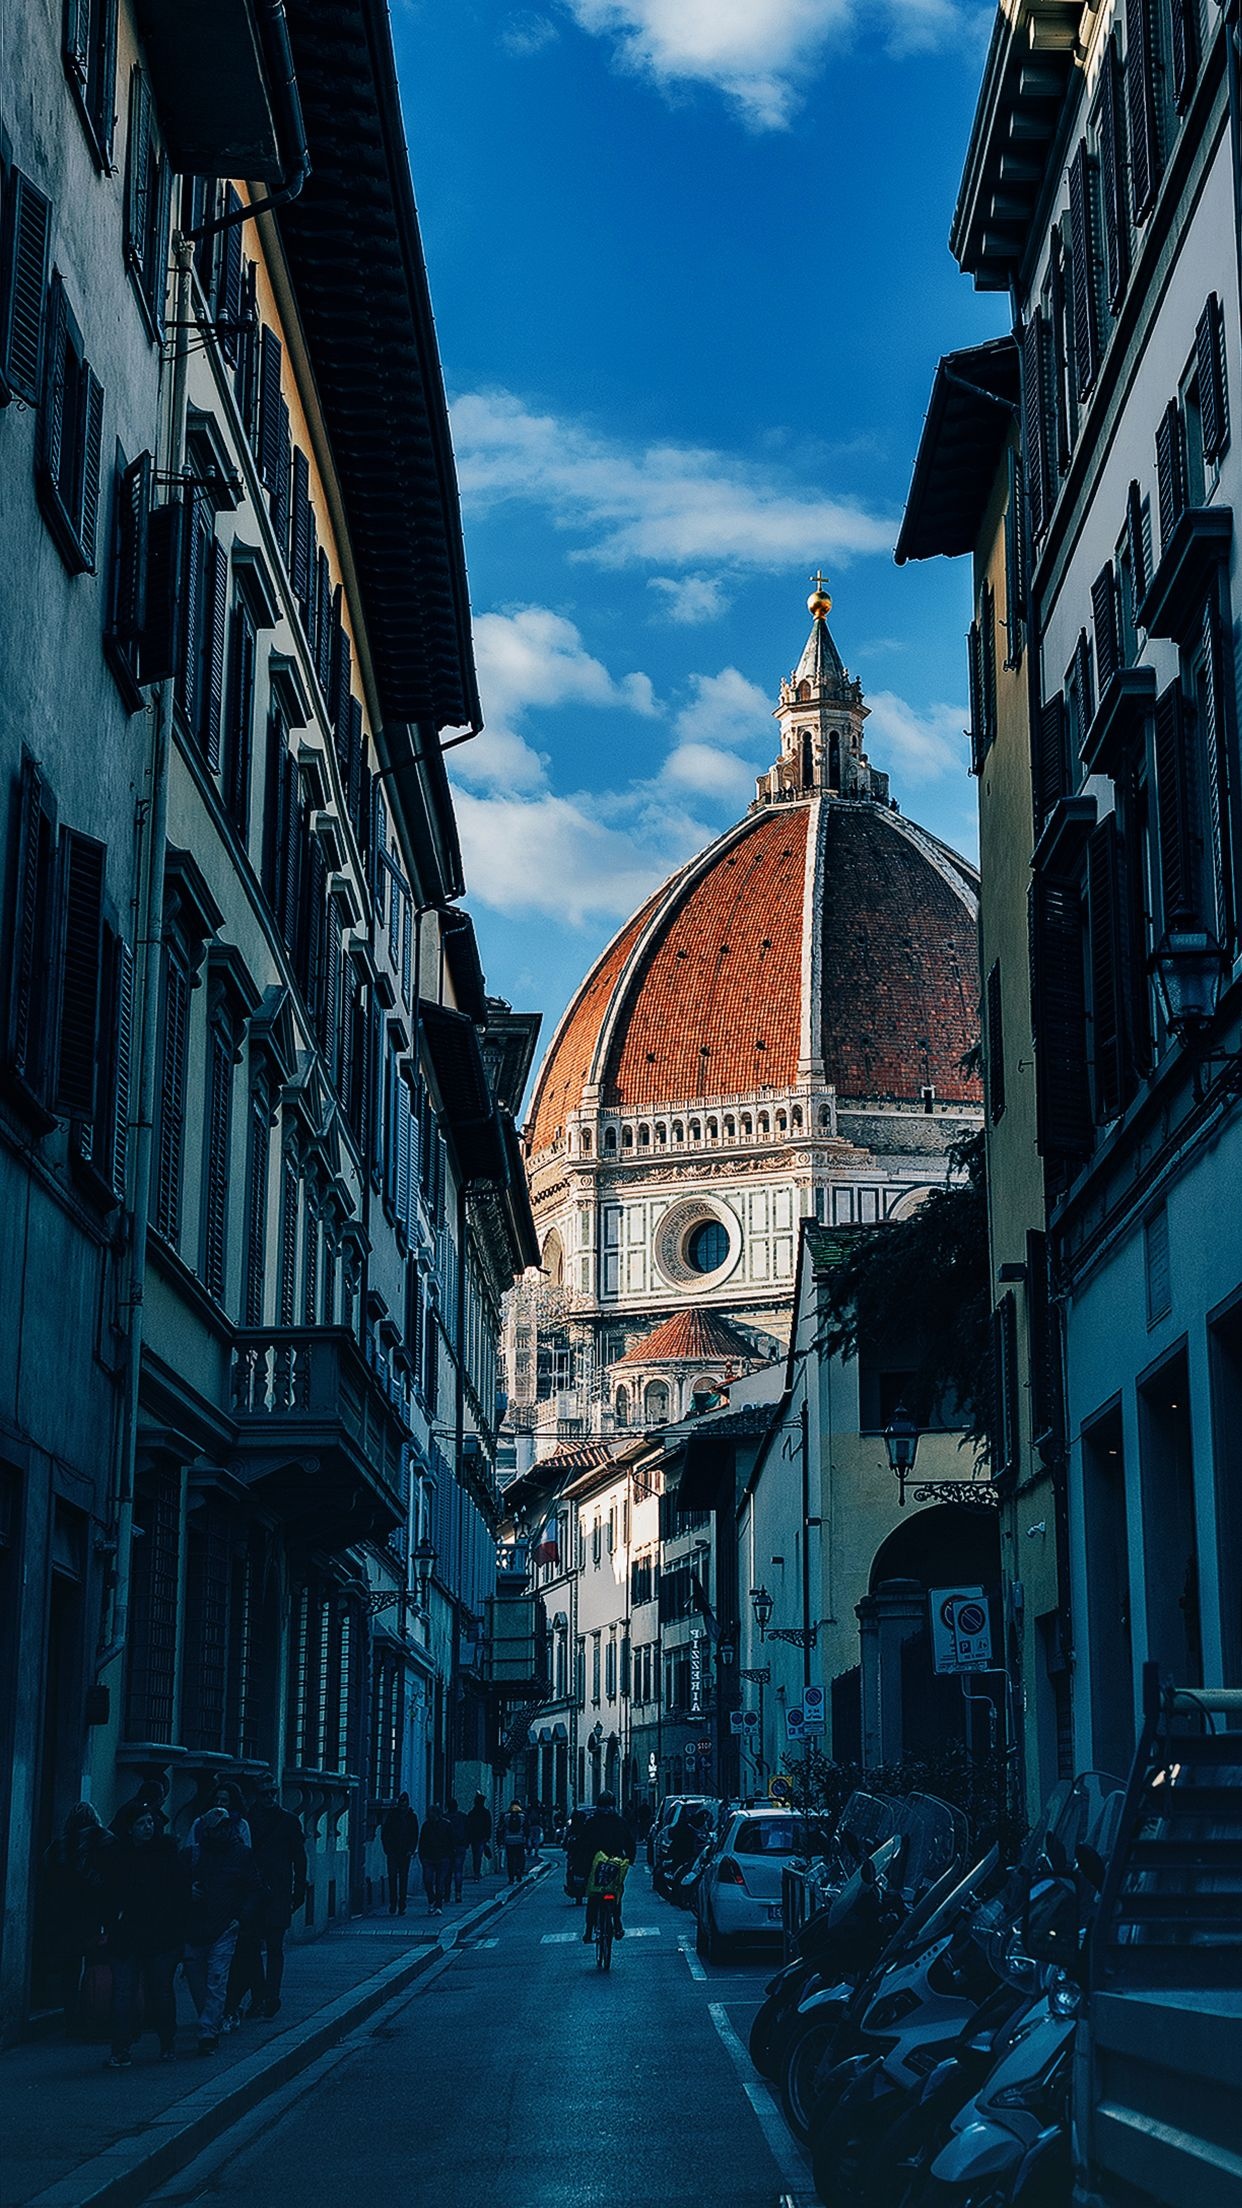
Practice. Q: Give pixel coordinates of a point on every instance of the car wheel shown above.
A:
(700, 1936)
(717, 1945)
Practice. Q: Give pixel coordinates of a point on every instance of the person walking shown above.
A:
(278, 1849)
(513, 1841)
(74, 1905)
(534, 1831)
(227, 1797)
(223, 1882)
(461, 1840)
(399, 1838)
(435, 1853)
(478, 1832)
(147, 1892)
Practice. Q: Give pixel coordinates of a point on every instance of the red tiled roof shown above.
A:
(694, 1338)
(717, 1011)
(561, 1082)
(900, 965)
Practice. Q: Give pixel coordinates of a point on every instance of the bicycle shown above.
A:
(605, 1929)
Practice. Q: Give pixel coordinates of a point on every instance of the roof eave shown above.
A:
(1030, 62)
(966, 429)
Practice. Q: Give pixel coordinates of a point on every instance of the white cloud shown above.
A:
(709, 773)
(532, 657)
(690, 598)
(725, 709)
(528, 33)
(917, 745)
(667, 505)
(551, 855)
(761, 54)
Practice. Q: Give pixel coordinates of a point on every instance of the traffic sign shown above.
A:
(781, 1788)
(743, 1721)
(961, 1629)
(795, 1724)
(812, 1709)
(653, 1769)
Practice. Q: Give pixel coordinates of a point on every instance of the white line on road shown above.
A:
(558, 1939)
(693, 1964)
(783, 2148)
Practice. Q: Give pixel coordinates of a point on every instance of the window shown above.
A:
(707, 1247)
(70, 437)
(238, 732)
(89, 48)
(595, 1667)
(101, 1138)
(218, 1144)
(24, 234)
(171, 1102)
(655, 1403)
(610, 1672)
(596, 1545)
(148, 194)
(258, 1152)
(127, 587)
(981, 645)
(994, 1041)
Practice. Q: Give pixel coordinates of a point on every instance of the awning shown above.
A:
(970, 417)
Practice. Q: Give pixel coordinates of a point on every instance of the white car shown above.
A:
(739, 1893)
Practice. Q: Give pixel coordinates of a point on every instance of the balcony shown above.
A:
(317, 1433)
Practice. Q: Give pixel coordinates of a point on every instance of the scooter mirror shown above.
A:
(1051, 1931)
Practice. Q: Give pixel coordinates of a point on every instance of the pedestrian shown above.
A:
(152, 1795)
(461, 1839)
(534, 1830)
(399, 1838)
(147, 1890)
(75, 1907)
(513, 1841)
(478, 1832)
(278, 1850)
(227, 1797)
(435, 1853)
(577, 1858)
(223, 1883)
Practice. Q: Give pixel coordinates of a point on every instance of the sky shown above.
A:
(689, 266)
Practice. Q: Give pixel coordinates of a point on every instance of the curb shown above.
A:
(128, 2171)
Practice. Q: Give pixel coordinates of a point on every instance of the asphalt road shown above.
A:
(519, 2076)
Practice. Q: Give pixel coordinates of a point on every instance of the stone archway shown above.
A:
(907, 1707)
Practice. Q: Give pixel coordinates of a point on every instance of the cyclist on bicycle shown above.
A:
(606, 1837)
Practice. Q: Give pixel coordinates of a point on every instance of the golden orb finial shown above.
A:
(819, 603)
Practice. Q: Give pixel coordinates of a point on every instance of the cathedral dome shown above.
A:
(822, 946)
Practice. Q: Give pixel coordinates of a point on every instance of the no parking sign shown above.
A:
(961, 1629)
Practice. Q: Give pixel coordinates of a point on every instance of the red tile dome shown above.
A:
(706, 994)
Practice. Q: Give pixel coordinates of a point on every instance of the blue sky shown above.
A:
(690, 275)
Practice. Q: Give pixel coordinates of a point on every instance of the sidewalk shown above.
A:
(73, 2133)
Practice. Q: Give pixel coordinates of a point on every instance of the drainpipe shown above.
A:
(149, 945)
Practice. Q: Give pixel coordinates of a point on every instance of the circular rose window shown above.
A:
(697, 1242)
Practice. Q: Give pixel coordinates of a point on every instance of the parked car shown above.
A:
(739, 1892)
(676, 1810)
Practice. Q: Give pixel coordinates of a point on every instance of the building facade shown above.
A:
(265, 1185)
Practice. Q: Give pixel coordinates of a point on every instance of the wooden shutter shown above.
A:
(987, 662)
(170, 1148)
(159, 644)
(357, 772)
(1062, 1096)
(219, 1134)
(1104, 620)
(280, 487)
(1174, 803)
(270, 353)
(190, 623)
(300, 529)
(407, 944)
(294, 835)
(138, 175)
(52, 424)
(27, 229)
(1141, 115)
(342, 678)
(76, 38)
(1170, 470)
(1184, 24)
(379, 845)
(246, 371)
(122, 1066)
(80, 957)
(215, 630)
(1083, 683)
(1136, 535)
(257, 1158)
(1049, 763)
(230, 288)
(1015, 558)
(1213, 389)
(92, 456)
(1004, 1387)
(1083, 275)
(287, 1303)
(994, 1044)
(129, 583)
(1112, 180)
(1109, 1058)
(1216, 775)
(1047, 1398)
(240, 718)
(323, 622)
(28, 969)
(1035, 422)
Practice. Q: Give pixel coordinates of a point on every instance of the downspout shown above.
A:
(150, 932)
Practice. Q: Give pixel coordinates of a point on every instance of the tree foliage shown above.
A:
(924, 1281)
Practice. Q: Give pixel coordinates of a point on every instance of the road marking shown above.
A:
(480, 1943)
(784, 2149)
(692, 1961)
(559, 1939)
(643, 1931)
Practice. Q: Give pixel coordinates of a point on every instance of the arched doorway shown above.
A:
(907, 1707)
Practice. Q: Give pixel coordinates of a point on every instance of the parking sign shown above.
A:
(812, 1709)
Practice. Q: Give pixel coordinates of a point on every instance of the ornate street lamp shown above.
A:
(799, 1636)
(761, 1604)
(901, 1440)
(1189, 965)
(423, 1557)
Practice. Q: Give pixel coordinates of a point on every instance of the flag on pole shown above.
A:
(548, 1545)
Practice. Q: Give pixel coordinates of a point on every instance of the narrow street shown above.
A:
(517, 2073)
